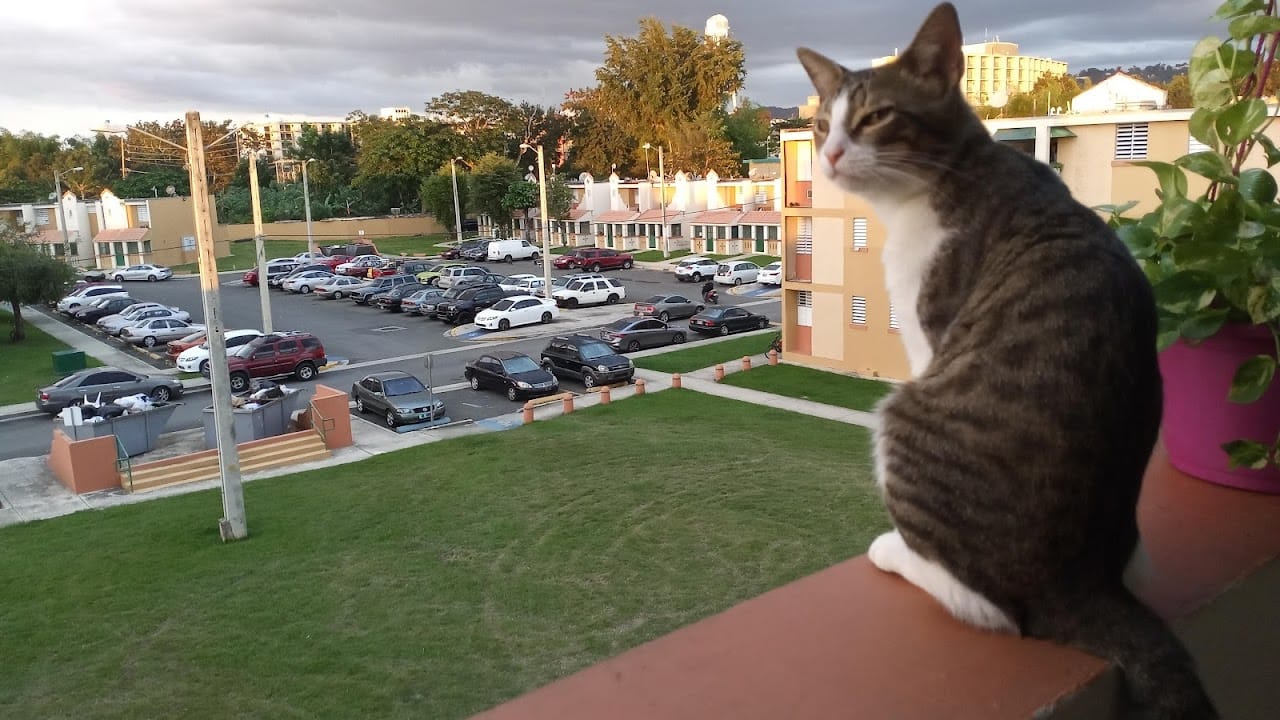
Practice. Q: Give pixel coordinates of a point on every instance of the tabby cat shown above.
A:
(1011, 462)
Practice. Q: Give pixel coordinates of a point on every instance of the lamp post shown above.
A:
(457, 212)
(662, 197)
(62, 213)
(306, 201)
(542, 210)
(264, 293)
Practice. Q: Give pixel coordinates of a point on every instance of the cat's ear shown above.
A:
(935, 53)
(825, 73)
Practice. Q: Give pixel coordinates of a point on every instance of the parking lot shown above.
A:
(366, 339)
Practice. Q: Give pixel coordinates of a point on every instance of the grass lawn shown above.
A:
(242, 255)
(657, 256)
(763, 260)
(27, 365)
(816, 385)
(432, 582)
(703, 355)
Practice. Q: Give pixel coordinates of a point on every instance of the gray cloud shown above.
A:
(128, 60)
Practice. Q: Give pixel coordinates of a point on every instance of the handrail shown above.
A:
(124, 463)
(325, 424)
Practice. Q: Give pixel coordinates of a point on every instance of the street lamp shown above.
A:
(457, 212)
(662, 196)
(542, 211)
(62, 213)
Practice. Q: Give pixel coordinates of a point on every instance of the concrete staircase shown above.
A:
(289, 449)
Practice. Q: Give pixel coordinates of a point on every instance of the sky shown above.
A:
(76, 65)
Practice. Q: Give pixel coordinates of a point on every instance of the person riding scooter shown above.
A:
(709, 294)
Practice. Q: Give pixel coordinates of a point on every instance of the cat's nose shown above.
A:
(834, 154)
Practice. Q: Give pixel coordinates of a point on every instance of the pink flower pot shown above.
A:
(1198, 418)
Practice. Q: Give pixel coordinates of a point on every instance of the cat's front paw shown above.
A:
(888, 552)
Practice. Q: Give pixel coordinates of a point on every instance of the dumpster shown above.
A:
(66, 362)
(267, 420)
(135, 433)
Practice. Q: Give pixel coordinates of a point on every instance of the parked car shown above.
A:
(276, 280)
(414, 303)
(587, 359)
(310, 257)
(153, 331)
(276, 355)
(590, 292)
(151, 273)
(511, 249)
(562, 281)
(333, 261)
(595, 259)
(360, 265)
(431, 276)
(398, 397)
(103, 306)
(476, 252)
(390, 300)
(133, 309)
(770, 274)
(459, 274)
(725, 320)
(115, 324)
(337, 287)
(305, 282)
(109, 382)
(694, 269)
(469, 302)
(377, 286)
(518, 281)
(93, 275)
(196, 357)
(403, 267)
(175, 348)
(513, 373)
(665, 307)
(737, 272)
(637, 333)
(456, 251)
(69, 304)
(517, 310)
(530, 285)
(351, 249)
(275, 267)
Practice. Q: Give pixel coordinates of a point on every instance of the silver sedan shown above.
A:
(150, 273)
(158, 330)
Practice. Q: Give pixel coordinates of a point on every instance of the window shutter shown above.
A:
(804, 308)
(893, 318)
(1131, 141)
(859, 233)
(804, 239)
(858, 310)
(1195, 146)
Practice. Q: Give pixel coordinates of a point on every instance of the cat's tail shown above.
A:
(1158, 670)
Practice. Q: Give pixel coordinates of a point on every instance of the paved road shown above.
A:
(347, 331)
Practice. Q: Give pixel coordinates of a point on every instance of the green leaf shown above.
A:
(1262, 304)
(1246, 27)
(1257, 185)
(1213, 91)
(1173, 182)
(1252, 379)
(1179, 216)
(1116, 210)
(1186, 291)
(1246, 453)
(1140, 239)
(1167, 332)
(1221, 223)
(1211, 257)
(1208, 164)
(1241, 120)
(1268, 146)
(1203, 324)
(1202, 128)
(1236, 8)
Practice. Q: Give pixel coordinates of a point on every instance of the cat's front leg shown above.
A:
(890, 553)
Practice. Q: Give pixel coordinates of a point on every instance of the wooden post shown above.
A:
(566, 404)
(639, 386)
(606, 395)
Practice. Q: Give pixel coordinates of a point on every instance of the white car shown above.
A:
(307, 281)
(770, 274)
(696, 269)
(520, 281)
(511, 249)
(590, 291)
(517, 310)
(308, 257)
(126, 315)
(150, 273)
(154, 331)
(360, 264)
(77, 299)
(338, 287)
(116, 326)
(196, 359)
(737, 272)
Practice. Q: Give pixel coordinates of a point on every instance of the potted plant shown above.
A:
(1214, 262)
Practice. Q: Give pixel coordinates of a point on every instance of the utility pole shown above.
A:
(306, 201)
(662, 185)
(232, 526)
(457, 212)
(542, 208)
(62, 214)
(264, 293)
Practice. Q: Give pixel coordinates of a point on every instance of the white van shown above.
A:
(512, 249)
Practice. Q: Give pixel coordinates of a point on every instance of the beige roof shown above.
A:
(761, 217)
(579, 213)
(121, 235)
(614, 216)
(717, 217)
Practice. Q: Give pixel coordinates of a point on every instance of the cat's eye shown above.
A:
(875, 117)
(821, 125)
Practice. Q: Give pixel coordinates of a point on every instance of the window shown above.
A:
(1195, 146)
(804, 308)
(858, 310)
(42, 216)
(859, 234)
(1131, 141)
(144, 215)
(893, 318)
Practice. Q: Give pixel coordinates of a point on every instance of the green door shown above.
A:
(653, 237)
(119, 247)
(608, 235)
(759, 246)
(709, 244)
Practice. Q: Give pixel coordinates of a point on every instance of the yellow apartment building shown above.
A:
(836, 312)
(995, 69)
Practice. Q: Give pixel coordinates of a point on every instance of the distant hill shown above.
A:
(1159, 73)
(782, 113)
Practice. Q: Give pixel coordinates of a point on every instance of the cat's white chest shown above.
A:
(912, 242)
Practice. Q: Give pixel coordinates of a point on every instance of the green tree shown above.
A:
(28, 276)
(153, 182)
(491, 178)
(27, 162)
(559, 197)
(597, 141)
(747, 130)
(334, 154)
(437, 196)
(521, 195)
(395, 157)
(1179, 90)
(485, 123)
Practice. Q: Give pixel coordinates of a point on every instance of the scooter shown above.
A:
(711, 297)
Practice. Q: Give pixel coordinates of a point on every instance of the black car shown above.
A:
(377, 286)
(477, 252)
(587, 359)
(725, 320)
(276, 280)
(636, 333)
(469, 301)
(455, 252)
(390, 300)
(110, 306)
(514, 373)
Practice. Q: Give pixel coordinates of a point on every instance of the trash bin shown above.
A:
(66, 362)
(267, 420)
(136, 433)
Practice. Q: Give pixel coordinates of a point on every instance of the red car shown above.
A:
(296, 353)
(333, 261)
(175, 347)
(594, 259)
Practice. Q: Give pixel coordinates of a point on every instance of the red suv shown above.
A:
(296, 353)
(594, 259)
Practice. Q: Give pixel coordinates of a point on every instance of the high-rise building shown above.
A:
(994, 71)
